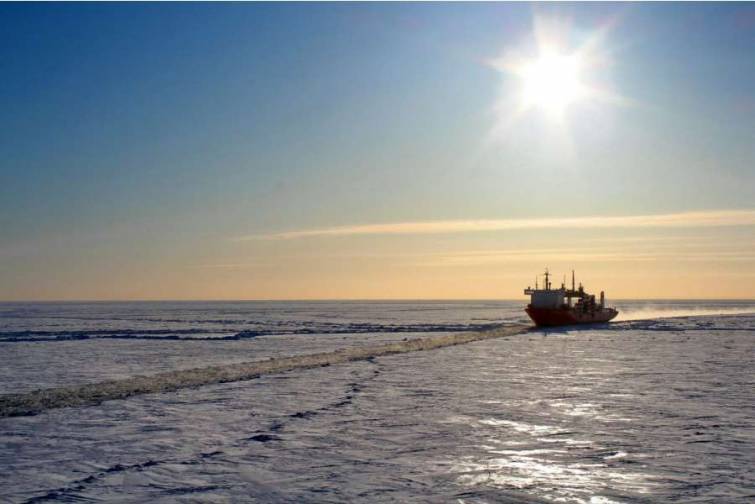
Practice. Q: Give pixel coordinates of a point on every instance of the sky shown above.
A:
(375, 151)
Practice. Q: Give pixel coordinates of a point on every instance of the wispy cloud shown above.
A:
(715, 218)
(231, 265)
(475, 258)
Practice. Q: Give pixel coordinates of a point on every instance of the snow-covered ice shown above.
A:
(658, 409)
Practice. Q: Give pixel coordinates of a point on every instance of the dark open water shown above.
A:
(651, 409)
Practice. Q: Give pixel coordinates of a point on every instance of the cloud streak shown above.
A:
(714, 218)
(578, 256)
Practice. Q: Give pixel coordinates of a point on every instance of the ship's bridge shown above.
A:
(550, 298)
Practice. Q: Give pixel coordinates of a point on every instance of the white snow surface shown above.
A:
(660, 409)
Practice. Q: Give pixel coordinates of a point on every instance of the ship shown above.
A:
(554, 307)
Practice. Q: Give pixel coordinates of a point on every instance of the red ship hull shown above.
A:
(569, 316)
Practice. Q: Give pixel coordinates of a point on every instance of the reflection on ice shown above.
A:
(592, 410)
(558, 480)
(599, 499)
(584, 409)
(523, 427)
(549, 460)
(617, 455)
(566, 441)
(520, 471)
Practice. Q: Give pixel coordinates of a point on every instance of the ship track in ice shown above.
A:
(38, 401)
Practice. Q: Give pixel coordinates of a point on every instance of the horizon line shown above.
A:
(306, 300)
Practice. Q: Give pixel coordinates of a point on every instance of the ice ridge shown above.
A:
(37, 401)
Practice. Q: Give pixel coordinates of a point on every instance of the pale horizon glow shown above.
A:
(713, 218)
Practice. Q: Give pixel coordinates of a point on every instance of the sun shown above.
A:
(551, 82)
(557, 73)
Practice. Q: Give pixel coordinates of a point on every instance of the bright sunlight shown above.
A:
(551, 82)
(554, 70)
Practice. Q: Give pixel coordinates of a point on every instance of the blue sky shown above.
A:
(140, 140)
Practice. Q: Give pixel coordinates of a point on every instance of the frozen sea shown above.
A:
(656, 407)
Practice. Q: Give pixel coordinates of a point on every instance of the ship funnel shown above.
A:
(602, 300)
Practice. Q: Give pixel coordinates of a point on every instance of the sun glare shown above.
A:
(551, 82)
(551, 72)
